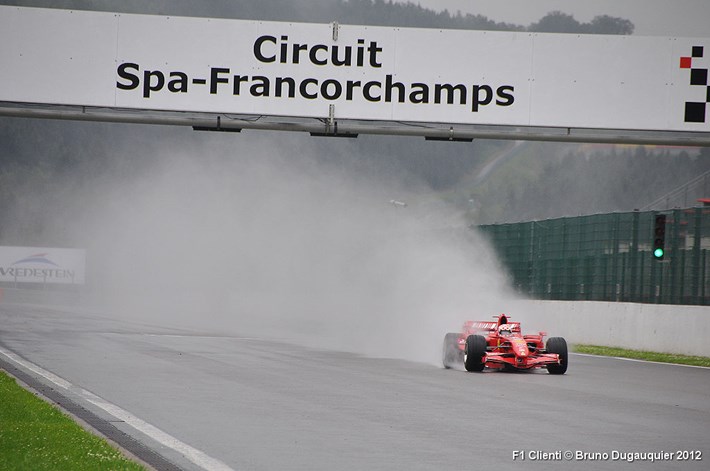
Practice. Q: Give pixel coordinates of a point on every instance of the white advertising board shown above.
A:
(181, 64)
(42, 265)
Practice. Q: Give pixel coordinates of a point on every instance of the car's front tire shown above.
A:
(557, 345)
(474, 353)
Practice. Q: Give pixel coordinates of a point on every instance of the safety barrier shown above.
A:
(648, 327)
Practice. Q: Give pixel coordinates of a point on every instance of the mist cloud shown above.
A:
(268, 240)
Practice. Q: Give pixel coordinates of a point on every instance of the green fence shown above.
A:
(608, 257)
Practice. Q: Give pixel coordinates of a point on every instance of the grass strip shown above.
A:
(38, 436)
(642, 355)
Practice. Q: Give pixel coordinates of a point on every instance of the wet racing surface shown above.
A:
(261, 404)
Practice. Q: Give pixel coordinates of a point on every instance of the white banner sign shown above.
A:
(367, 73)
(42, 265)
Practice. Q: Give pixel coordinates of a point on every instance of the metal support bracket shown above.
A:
(451, 137)
(332, 125)
(218, 128)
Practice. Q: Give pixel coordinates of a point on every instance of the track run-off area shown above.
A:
(214, 400)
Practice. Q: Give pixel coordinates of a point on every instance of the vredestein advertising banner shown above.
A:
(42, 265)
(146, 62)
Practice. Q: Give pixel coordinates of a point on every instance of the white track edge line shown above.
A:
(192, 454)
(641, 361)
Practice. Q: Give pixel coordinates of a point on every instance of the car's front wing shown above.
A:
(502, 360)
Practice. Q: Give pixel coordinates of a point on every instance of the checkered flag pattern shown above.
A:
(695, 110)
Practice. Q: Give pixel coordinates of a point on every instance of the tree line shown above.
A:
(360, 12)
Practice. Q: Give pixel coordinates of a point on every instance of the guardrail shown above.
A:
(648, 327)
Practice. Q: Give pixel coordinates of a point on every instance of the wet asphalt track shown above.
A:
(259, 405)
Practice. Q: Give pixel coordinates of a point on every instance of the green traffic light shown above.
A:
(658, 253)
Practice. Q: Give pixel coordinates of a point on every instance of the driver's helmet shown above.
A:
(505, 329)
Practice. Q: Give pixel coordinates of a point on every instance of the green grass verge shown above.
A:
(641, 355)
(35, 435)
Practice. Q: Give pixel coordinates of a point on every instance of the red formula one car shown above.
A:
(500, 344)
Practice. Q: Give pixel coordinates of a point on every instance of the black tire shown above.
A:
(474, 352)
(451, 354)
(557, 345)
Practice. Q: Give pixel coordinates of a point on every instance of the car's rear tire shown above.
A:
(557, 345)
(474, 352)
(451, 354)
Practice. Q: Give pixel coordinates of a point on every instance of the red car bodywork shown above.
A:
(506, 347)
